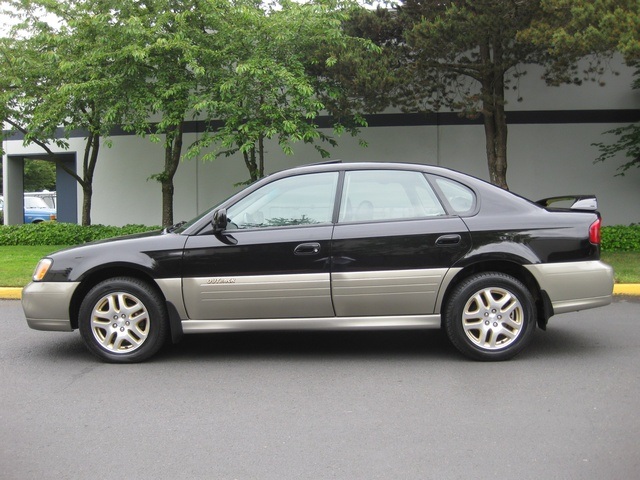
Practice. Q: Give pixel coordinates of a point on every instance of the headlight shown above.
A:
(41, 269)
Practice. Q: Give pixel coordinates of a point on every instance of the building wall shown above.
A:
(546, 155)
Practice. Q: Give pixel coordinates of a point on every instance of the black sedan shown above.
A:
(335, 246)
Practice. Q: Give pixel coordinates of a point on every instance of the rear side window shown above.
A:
(460, 198)
(379, 195)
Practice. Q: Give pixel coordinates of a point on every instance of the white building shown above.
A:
(550, 153)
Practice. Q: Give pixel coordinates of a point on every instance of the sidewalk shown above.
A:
(618, 289)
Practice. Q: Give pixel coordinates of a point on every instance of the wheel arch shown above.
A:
(97, 276)
(514, 269)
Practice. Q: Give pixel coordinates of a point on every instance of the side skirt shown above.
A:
(327, 323)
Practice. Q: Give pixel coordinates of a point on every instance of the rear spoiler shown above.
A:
(573, 202)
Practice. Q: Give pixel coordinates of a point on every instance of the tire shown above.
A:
(123, 320)
(490, 316)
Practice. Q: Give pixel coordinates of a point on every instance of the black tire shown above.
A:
(123, 320)
(490, 316)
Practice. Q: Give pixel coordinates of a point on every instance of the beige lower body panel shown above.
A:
(393, 292)
(574, 286)
(258, 296)
(46, 305)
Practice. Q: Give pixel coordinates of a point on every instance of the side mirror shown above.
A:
(220, 220)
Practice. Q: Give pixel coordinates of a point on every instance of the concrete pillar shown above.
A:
(13, 172)
(66, 191)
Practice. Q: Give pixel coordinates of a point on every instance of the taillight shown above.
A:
(594, 232)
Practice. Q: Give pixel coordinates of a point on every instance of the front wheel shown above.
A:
(490, 316)
(123, 320)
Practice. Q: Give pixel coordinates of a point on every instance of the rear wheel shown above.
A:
(490, 316)
(123, 320)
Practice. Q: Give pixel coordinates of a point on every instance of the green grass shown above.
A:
(626, 265)
(17, 264)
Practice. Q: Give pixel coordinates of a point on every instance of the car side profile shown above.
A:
(335, 246)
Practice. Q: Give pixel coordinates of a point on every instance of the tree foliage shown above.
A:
(463, 55)
(275, 80)
(39, 175)
(163, 51)
(252, 71)
(573, 29)
(69, 70)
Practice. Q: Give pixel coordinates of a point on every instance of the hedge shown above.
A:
(614, 238)
(54, 233)
(621, 238)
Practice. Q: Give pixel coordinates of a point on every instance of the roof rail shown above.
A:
(325, 162)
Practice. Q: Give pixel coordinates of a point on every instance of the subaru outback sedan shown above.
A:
(335, 246)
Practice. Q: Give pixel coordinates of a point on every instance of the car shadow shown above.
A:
(381, 345)
(562, 342)
(431, 344)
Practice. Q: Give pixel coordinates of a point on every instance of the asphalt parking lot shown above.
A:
(344, 405)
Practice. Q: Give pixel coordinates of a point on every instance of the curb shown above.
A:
(626, 289)
(618, 289)
(10, 293)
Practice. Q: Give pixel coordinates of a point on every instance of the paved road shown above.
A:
(399, 405)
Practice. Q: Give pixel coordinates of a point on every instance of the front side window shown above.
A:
(300, 200)
(379, 195)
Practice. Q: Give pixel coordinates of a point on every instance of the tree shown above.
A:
(569, 30)
(573, 29)
(70, 76)
(463, 55)
(28, 73)
(272, 81)
(39, 175)
(460, 55)
(166, 53)
(148, 65)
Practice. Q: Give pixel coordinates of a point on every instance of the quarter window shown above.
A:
(379, 195)
(299, 200)
(460, 198)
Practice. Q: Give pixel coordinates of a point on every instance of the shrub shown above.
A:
(621, 238)
(614, 238)
(54, 233)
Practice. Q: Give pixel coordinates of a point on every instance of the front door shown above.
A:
(273, 261)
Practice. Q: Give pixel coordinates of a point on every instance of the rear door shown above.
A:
(392, 245)
(273, 261)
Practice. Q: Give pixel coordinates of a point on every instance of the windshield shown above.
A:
(34, 202)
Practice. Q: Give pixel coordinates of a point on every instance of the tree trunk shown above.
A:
(172, 153)
(495, 119)
(261, 156)
(167, 203)
(250, 162)
(90, 160)
(87, 192)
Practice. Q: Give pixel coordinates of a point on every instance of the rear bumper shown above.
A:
(46, 305)
(574, 286)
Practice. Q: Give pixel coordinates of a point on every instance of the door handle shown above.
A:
(445, 240)
(307, 249)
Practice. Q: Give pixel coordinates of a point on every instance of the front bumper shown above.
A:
(46, 305)
(574, 286)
